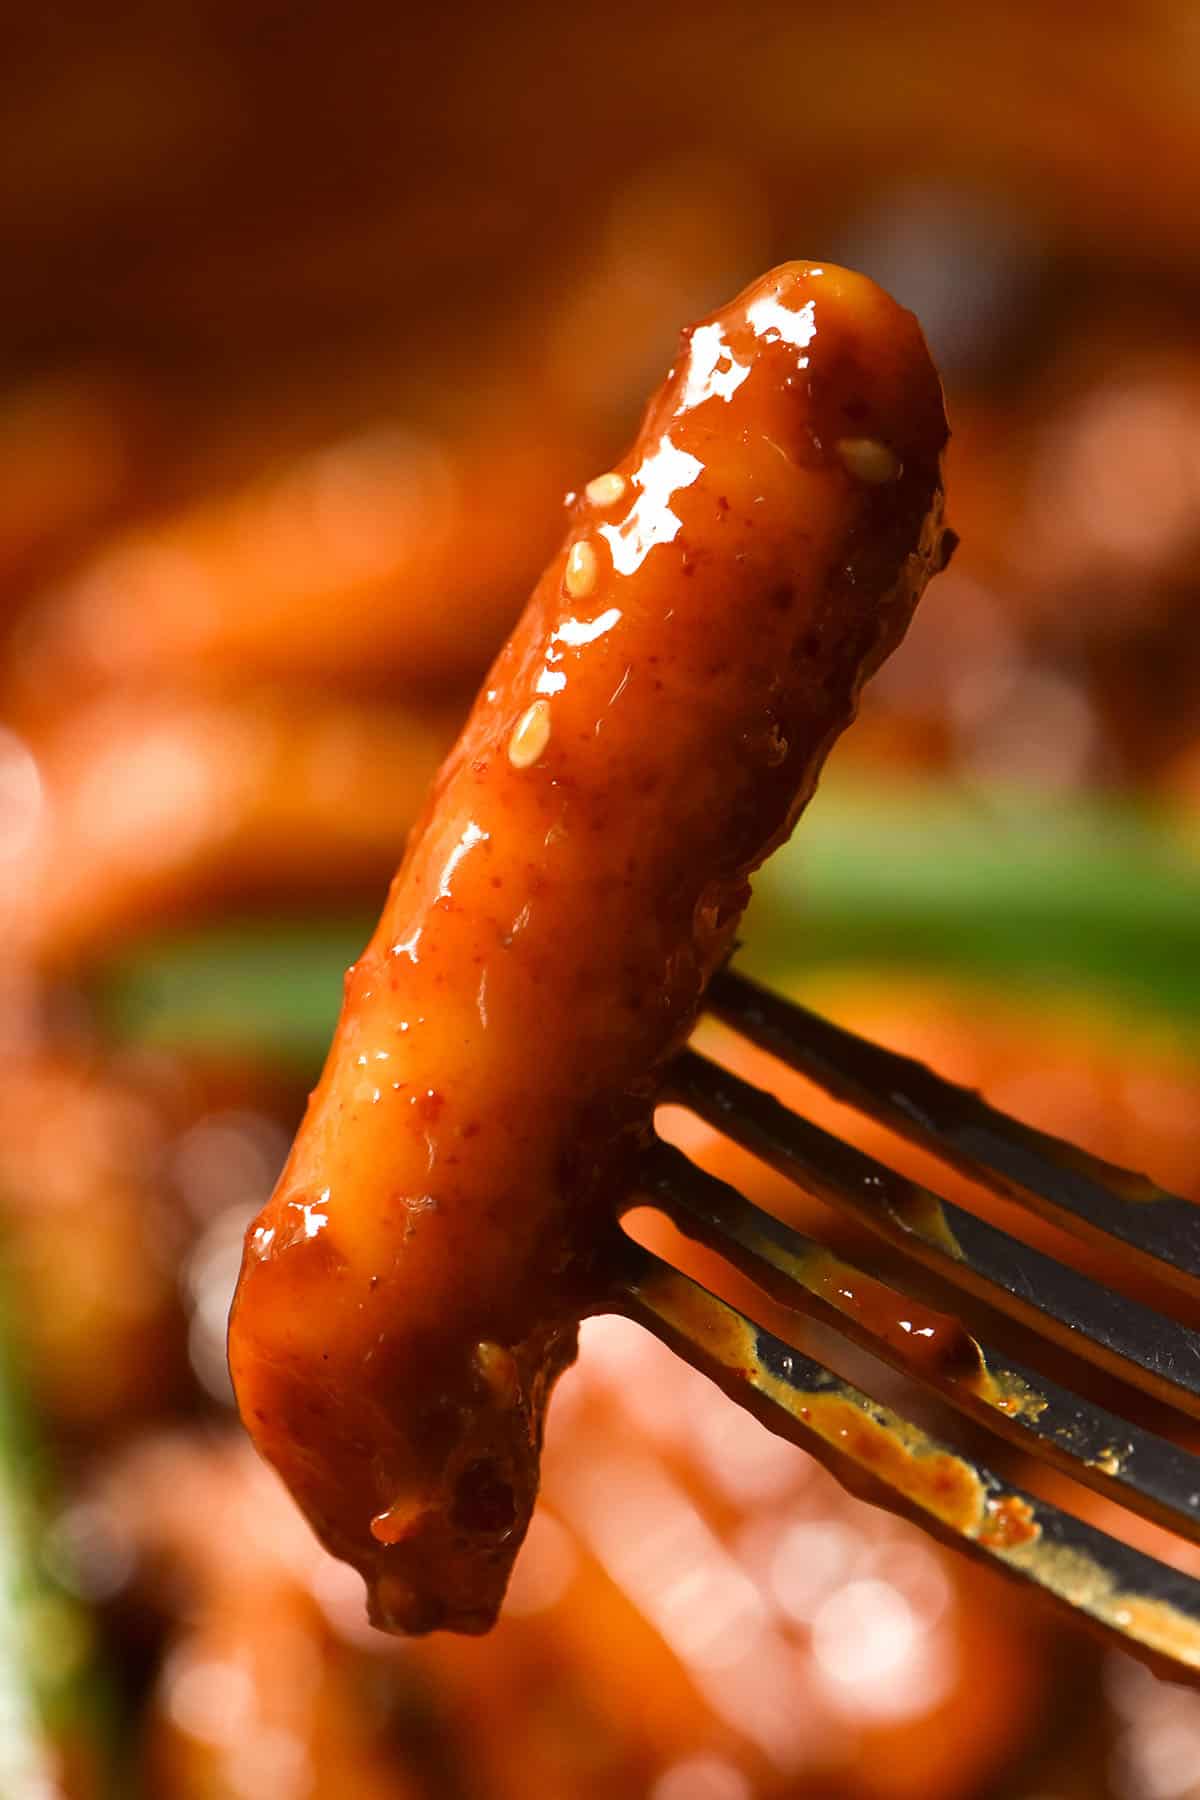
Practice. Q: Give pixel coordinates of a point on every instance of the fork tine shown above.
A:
(1094, 1199)
(1140, 1346)
(1125, 1462)
(1152, 1609)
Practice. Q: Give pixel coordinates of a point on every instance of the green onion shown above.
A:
(1088, 898)
(57, 1725)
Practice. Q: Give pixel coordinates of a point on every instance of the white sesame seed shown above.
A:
(530, 735)
(497, 1367)
(868, 460)
(605, 490)
(580, 577)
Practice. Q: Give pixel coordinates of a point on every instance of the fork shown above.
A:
(1151, 1608)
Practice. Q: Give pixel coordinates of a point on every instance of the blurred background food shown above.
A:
(309, 318)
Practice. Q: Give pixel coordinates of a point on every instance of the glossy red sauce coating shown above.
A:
(412, 1290)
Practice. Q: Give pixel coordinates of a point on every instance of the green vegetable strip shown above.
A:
(1088, 897)
(1091, 896)
(56, 1724)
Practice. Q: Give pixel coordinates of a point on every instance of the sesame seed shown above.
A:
(397, 1520)
(497, 1368)
(530, 735)
(605, 490)
(868, 460)
(580, 577)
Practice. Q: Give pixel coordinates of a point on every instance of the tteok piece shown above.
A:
(648, 735)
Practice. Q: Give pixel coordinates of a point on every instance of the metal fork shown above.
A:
(1149, 1607)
